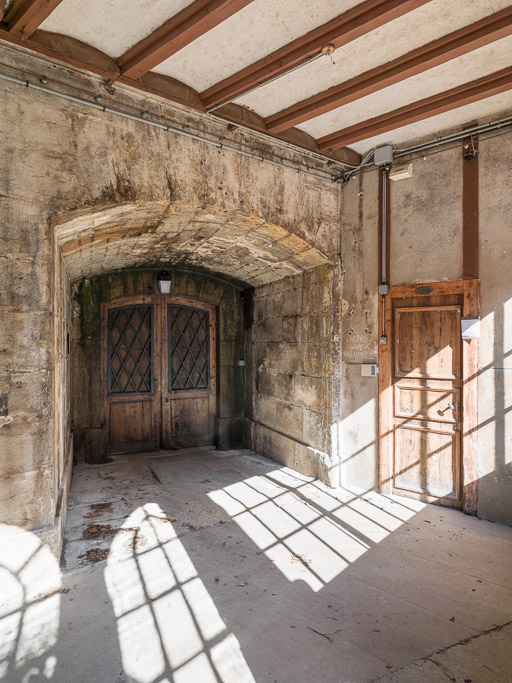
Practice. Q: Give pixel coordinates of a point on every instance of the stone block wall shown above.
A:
(60, 157)
(292, 356)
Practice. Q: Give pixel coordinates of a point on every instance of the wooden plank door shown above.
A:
(130, 373)
(188, 373)
(426, 403)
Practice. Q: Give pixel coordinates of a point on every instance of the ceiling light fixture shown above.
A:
(164, 282)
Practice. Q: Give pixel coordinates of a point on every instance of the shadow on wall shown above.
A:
(495, 415)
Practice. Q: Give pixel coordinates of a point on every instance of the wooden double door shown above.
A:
(422, 378)
(158, 373)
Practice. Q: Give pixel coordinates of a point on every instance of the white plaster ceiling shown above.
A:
(396, 38)
(111, 26)
(264, 26)
(254, 32)
(491, 108)
(463, 69)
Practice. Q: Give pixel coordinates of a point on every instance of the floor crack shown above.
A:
(442, 650)
(443, 669)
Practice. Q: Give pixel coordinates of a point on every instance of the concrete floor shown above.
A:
(224, 566)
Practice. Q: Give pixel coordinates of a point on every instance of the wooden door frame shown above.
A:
(469, 289)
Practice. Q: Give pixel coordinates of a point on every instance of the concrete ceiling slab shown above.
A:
(238, 247)
(254, 32)
(111, 26)
(464, 69)
(394, 39)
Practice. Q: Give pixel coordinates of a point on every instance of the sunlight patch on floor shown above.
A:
(308, 530)
(30, 582)
(168, 625)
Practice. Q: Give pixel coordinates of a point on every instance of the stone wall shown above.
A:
(86, 421)
(61, 158)
(292, 360)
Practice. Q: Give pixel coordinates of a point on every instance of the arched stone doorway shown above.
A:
(218, 258)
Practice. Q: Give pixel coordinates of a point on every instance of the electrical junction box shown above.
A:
(470, 328)
(383, 156)
(368, 370)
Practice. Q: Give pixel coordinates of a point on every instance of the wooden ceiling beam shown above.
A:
(487, 86)
(462, 41)
(186, 26)
(25, 18)
(345, 28)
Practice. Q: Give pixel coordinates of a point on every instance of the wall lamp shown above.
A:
(164, 282)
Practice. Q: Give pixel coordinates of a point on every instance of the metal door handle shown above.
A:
(451, 406)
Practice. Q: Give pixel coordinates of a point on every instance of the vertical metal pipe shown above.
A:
(384, 226)
(383, 288)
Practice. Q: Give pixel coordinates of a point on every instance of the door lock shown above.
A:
(451, 406)
(167, 400)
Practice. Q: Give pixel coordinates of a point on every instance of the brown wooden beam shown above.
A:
(470, 230)
(353, 24)
(426, 57)
(470, 426)
(487, 86)
(188, 25)
(24, 19)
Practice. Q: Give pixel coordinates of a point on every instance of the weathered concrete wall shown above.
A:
(86, 399)
(426, 220)
(495, 363)
(59, 157)
(426, 245)
(292, 360)
(359, 245)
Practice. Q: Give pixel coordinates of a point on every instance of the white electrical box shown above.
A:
(368, 370)
(470, 328)
(400, 172)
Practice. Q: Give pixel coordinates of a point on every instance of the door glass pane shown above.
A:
(130, 350)
(189, 350)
